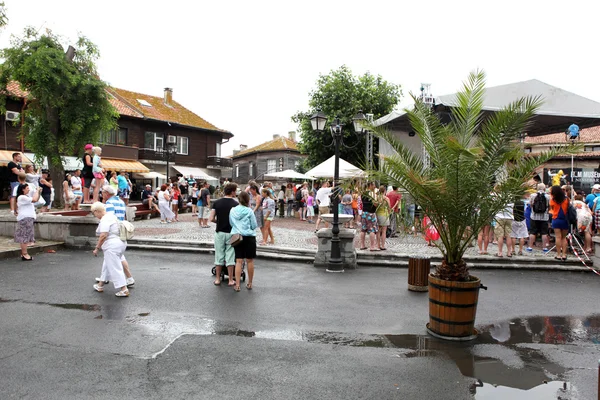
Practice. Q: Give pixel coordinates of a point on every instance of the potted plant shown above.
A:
(476, 166)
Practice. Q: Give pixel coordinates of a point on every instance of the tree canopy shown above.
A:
(67, 105)
(341, 94)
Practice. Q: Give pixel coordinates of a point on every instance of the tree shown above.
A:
(342, 94)
(469, 157)
(3, 15)
(67, 106)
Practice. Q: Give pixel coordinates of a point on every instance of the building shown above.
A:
(278, 154)
(153, 133)
(560, 109)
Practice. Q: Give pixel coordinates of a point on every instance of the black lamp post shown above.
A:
(167, 153)
(318, 121)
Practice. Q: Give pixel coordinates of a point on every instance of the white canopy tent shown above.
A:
(198, 173)
(325, 169)
(151, 175)
(290, 174)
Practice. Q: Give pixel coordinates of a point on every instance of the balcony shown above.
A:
(121, 152)
(215, 162)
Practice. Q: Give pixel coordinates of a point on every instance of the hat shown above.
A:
(596, 187)
(89, 146)
(109, 189)
(149, 185)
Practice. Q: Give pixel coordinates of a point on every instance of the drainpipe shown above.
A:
(22, 123)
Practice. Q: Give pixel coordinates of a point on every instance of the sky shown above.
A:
(248, 66)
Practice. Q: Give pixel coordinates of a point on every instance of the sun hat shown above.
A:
(89, 146)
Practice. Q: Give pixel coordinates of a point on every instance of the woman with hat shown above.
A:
(24, 232)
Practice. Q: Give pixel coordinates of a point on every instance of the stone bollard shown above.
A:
(418, 273)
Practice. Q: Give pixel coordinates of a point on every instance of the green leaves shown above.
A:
(477, 165)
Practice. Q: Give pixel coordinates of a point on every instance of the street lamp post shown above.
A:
(318, 121)
(167, 152)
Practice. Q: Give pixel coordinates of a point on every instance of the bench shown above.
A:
(143, 211)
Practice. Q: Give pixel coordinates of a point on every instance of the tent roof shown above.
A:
(560, 108)
(290, 174)
(325, 169)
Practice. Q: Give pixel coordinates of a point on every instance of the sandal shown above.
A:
(383, 248)
(237, 288)
(98, 288)
(363, 248)
(520, 252)
(122, 293)
(217, 283)
(498, 255)
(509, 255)
(249, 286)
(558, 258)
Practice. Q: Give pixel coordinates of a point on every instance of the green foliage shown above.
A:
(3, 15)
(470, 157)
(68, 105)
(342, 94)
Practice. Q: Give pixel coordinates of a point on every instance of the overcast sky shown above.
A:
(248, 66)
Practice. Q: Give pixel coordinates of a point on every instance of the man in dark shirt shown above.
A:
(224, 252)
(369, 218)
(14, 167)
(148, 198)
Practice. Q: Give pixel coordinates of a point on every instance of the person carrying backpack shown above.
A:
(539, 203)
(519, 226)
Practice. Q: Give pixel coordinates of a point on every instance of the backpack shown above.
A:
(540, 203)
(299, 194)
(571, 214)
(126, 230)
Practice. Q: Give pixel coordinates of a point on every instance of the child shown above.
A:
(431, 234)
(310, 208)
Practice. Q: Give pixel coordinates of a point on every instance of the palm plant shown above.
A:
(477, 166)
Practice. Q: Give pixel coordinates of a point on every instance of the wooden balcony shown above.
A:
(122, 152)
(215, 162)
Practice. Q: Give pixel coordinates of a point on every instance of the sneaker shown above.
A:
(529, 250)
(130, 282)
(545, 250)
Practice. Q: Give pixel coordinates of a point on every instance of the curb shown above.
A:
(389, 260)
(37, 249)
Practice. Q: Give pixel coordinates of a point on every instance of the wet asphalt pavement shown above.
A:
(300, 334)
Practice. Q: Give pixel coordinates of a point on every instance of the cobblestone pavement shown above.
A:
(289, 232)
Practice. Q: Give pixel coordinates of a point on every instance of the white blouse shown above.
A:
(25, 208)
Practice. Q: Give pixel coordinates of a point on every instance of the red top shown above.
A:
(176, 194)
(394, 197)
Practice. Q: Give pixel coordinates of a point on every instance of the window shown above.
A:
(271, 166)
(296, 164)
(153, 141)
(237, 170)
(182, 145)
(218, 150)
(281, 163)
(144, 103)
(251, 169)
(116, 136)
(592, 148)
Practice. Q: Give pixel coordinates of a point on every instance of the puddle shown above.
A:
(69, 306)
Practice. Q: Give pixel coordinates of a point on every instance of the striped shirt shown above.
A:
(116, 206)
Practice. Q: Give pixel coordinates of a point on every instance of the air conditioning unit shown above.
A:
(171, 139)
(12, 116)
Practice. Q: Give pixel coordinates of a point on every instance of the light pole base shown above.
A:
(334, 270)
(347, 251)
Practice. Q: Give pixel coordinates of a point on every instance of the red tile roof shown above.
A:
(14, 89)
(158, 110)
(281, 143)
(587, 135)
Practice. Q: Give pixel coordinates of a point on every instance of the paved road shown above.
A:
(300, 334)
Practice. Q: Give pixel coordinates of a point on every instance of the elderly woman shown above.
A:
(98, 171)
(113, 248)
(164, 198)
(24, 232)
(243, 222)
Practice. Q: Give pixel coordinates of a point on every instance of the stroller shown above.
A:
(224, 272)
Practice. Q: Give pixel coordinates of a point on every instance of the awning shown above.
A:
(198, 173)
(113, 164)
(152, 175)
(6, 157)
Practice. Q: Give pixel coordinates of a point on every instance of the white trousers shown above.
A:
(112, 269)
(165, 211)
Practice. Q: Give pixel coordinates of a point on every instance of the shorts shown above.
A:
(323, 210)
(383, 220)
(98, 175)
(271, 217)
(519, 230)
(369, 223)
(560, 224)
(194, 200)
(203, 212)
(503, 227)
(145, 201)
(123, 193)
(46, 198)
(310, 211)
(537, 226)
(13, 185)
(246, 249)
(87, 181)
(224, 252)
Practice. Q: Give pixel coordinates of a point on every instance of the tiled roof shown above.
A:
(586, 135)
(280, 143)
(14, 89)
(158, 110)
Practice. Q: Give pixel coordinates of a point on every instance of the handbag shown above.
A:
(236, 239)
(571, 214)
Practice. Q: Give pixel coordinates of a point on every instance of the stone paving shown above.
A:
(289, 232)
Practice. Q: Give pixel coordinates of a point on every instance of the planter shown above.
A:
(418, 273)
(452, 308)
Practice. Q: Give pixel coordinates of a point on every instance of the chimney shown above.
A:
(275, 136)
(243, 146)
(292, 135)
(168, 96)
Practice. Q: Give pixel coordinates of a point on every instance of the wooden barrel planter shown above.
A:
(418, 272)
(452, 308)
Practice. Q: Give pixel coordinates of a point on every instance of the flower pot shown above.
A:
(452, 308)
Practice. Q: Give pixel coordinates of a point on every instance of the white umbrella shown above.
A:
(152, 175)
(325, 169)
(290, 174)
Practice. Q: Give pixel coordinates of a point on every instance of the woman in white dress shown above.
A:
(164, 198)
(113, 248)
